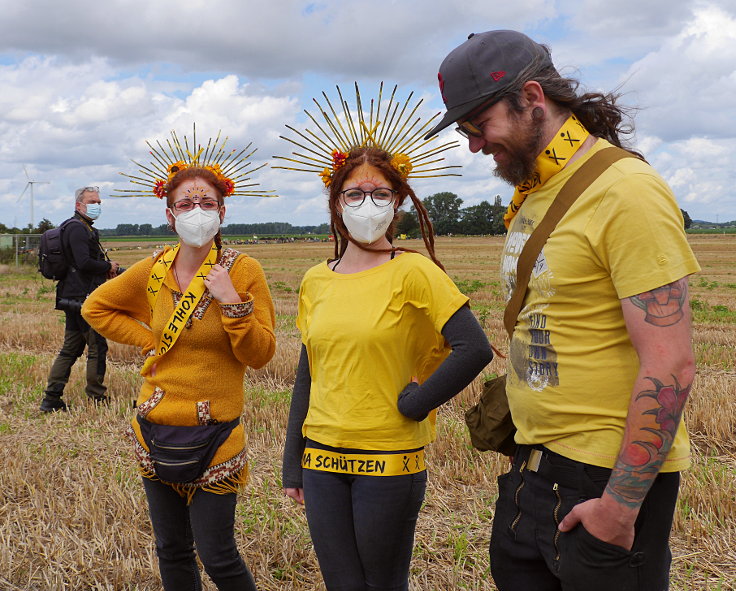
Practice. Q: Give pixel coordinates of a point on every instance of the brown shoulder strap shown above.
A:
(571, 190)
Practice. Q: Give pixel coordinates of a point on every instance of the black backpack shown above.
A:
(52, 262)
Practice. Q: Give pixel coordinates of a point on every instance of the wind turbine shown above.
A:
(30, 184)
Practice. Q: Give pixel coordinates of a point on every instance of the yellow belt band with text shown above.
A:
(394, 464)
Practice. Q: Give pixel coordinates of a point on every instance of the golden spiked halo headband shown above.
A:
(232, 168)
(394, 128)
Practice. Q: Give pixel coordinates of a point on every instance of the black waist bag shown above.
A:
(182, 454)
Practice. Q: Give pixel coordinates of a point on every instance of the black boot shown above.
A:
(52, 404)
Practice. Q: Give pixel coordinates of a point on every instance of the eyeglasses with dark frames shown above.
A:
(381, 197)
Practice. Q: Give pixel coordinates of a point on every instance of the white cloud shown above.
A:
(700, 172)
(687, 85)
(85, 83)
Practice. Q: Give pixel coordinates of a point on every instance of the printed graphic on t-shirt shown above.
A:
(533, 356)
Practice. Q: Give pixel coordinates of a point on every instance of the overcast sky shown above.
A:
(83, 84)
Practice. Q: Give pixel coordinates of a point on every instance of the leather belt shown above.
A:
(556, 468)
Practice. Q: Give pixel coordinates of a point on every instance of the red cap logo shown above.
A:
(497, 75)
(442, 86)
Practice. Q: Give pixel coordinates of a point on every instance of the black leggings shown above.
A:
(208, 522)
(362, 527)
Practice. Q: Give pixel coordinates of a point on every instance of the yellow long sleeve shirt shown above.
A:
(201, 377)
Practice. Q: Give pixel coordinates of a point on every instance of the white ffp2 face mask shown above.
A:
(197, 227)
(367, 222)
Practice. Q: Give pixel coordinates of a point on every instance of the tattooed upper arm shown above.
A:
(663, 305)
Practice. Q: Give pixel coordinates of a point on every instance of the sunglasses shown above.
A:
(467, 128)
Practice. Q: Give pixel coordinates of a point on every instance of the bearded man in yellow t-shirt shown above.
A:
(600, 362)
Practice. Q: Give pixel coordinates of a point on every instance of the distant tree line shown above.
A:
(271, 228)
(445, 211)
(42, 226)
(449, 217)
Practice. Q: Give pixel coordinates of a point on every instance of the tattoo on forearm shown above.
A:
(663, 305)
(643, 455)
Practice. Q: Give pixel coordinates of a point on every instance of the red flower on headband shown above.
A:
(159, 189)
(338, 159)
(229, 186)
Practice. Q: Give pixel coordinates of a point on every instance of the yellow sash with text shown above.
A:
(394, 464)
(189, 300)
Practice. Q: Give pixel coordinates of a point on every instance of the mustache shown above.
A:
(489, 150)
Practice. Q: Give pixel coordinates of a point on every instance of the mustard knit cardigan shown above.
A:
(201, 377)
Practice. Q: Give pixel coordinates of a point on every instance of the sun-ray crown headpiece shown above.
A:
(395, 128)
(231, 168)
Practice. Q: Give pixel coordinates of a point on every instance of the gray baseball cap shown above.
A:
(485, 65)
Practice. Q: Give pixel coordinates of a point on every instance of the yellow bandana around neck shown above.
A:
(550, 161)
(189, 300)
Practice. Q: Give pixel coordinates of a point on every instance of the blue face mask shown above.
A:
(93, 210)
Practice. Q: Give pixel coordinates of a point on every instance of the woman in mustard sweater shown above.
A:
(201, 313)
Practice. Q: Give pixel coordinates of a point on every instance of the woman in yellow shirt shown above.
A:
(201, 313)
(387, 338)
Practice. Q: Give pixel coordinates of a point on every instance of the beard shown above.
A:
(522, 151)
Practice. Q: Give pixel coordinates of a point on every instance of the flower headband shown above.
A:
(232, 170)
(393, 129)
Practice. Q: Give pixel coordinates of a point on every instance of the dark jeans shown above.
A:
(362, 527)
(78, 335)
(528, 552)
(208, 522)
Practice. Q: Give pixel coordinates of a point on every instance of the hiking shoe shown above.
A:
(52, 404)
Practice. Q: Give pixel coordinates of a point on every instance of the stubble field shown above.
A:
(72, 510)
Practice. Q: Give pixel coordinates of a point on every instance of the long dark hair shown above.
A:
(598, 112)
(196, 172)
(380, 160)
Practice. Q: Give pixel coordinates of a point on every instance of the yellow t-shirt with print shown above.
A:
(366, 335)
(572, 367)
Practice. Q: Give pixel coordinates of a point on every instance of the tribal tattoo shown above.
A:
(663, 305)
(643, 456)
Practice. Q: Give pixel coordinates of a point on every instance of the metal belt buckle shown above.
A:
(535, 457)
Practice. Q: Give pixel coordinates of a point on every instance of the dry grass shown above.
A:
(72, 510)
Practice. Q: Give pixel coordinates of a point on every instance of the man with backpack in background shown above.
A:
(88, 267)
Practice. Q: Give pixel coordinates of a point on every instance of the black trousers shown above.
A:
(528, 552)
(78, 335)
(209, 523)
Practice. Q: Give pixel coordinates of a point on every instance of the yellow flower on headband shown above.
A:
(402, 163)
(176, 167)
(215, 169)
(326, 176)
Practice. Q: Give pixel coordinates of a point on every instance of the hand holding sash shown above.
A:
(220, 285)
